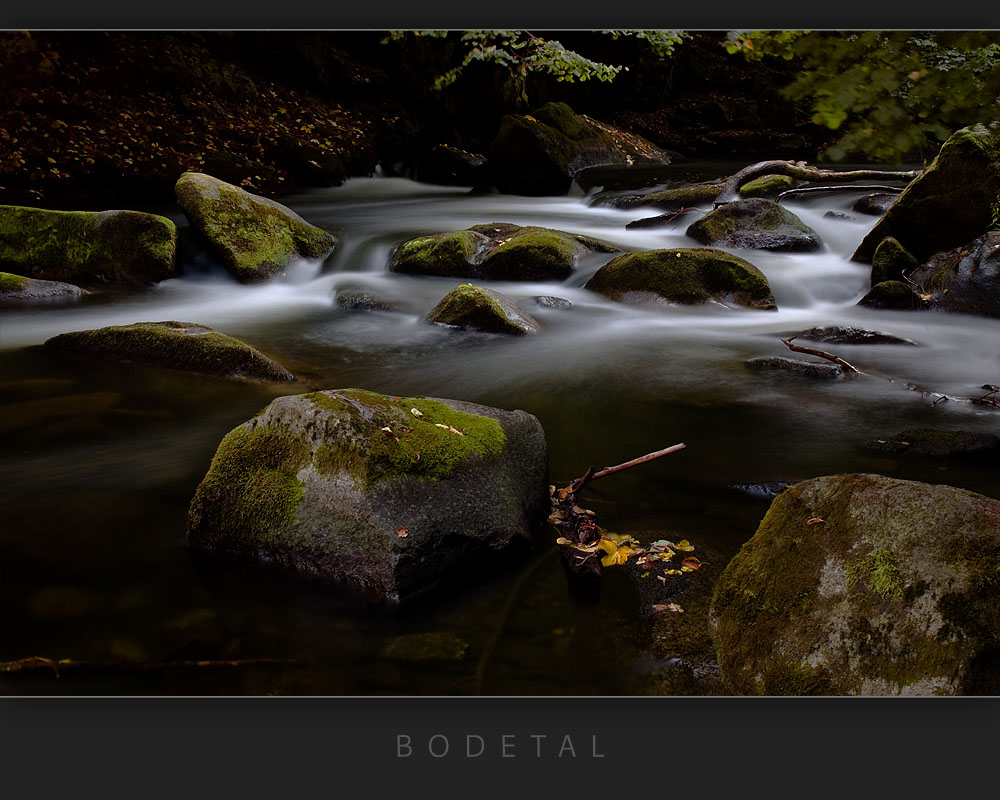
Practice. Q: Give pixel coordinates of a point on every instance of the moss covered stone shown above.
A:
(384, 494)
(175, 345)
(767, 186)
(864, 585)
(683, 275)
(18, 290)
(254, 237)
(475, 308)
(672, 199)
(891, 261)
(948, 205)
(756, 223)
(87, 247)
(497, 251)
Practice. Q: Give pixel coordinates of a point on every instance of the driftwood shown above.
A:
(798, 169)
(820, 353)
(59, 666)
(847, 188)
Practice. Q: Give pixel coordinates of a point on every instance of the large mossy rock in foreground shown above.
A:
(383, 494)
(87, 247)
(16, 290)
(255, 238)
(950, 204)
(498, 251)
(175, 345)
(684, 275)
(864, 585)
(540, 153)
(756, 223)
(475, 308)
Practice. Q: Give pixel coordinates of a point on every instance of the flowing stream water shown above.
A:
(99, 461)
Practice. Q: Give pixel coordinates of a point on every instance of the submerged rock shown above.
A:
(891, 261)
(950, 204)
(683, 275)
(540, 153)
(547, 301)
(384, 494)
(254, 237)
(757, 223)
(175, 345)
(875, 204)
(843, 335)
(864, 585)
(795, 366)
(965, 280)
(356, 300)
(938, 443)
(88, 247)
(17, 290)
(837, 215)
(893, 295)
(672, 199)
(766, 491)
(497, 251)
(475, 308)
(423, 647)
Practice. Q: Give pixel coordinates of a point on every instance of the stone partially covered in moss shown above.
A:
(475, 308)
(938, 443)
(891, 261)
(951, 203)
(383, 494)
(422, 647)
(540, 153)
(87, 247)
(767, 186)
(683, 275)
(175, 345)
(17, 290)
(796, 366)
(965, 280)
(498, 251)
(254, 237)
(756, 223)
(894, 295)
(672, 199)
(864, 585)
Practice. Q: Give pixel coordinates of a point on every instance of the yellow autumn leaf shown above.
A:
(684, 545)
(620, 556)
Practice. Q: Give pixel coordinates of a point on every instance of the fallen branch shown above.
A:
(848, 188)
(821, 354)
(731, 188)
(57, 667)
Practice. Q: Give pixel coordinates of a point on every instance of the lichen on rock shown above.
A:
(476, 308)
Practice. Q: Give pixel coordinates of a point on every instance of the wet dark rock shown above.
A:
(353, 300)
(174, 345)
(875, 204)
(672, 199)
(764, 491)
(948, 205)
(547, 301)
(659, 221)
(757, 223)
(864, 585)
(387, 495)
(475, 308)
(540, 153)
(965, 280)
(841, 335)
(794, 366)
(838, 215)
(891, 261)
(685, 275)
(938, 443)
(445, 165)
(893, 295)
(16, 290)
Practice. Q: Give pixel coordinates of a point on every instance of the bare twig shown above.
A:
(590, 475)
(821, 354)
(731, 188)
(851, 187)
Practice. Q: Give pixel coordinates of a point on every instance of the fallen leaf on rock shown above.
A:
(814, 521)
(402, 532)
(668, 607)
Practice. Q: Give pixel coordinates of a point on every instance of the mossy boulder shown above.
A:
(893, 295)
(864, 585)
(891, 261)
(796, 366)
(767, 186)
(87, 247)
(255, 238)
(16, 290)
(756, 223)
(939, 443)
(540, 153)
(387, 495)
(686, 276)
(174, 345)
(952, 202)
(497, 251)
(475, 308)
(965, 280)
(672, 199)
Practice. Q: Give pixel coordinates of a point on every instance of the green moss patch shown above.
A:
(672, 199)
(13, 283)
(475, 308)
(418, 647)
(879, 572)
(429, 445)
(755, 223)
(767, 186)
(443, 254)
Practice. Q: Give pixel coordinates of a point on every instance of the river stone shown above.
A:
(475, 308)
(540, 153)
(660, 221)
(938, 443)
(950, 203)
(175, 345)
(837, 215)
(875, 204)
(891, 261)
(317, 483)
(683, 275)
(756, 223)
(445, 165)
(254, 237)
(547, 301)
(795, 366)
(498, 251)
(671, 199)
(864, 585)
(87, 247)
(767, 186)
(837, 334)
(356, 300)
(424, 647)
(893, 295)
(965, 280)
(17, 290)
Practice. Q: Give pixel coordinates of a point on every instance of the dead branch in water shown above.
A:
(848, 188)
(821, 354)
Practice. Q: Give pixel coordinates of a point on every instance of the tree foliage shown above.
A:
(894, 95)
